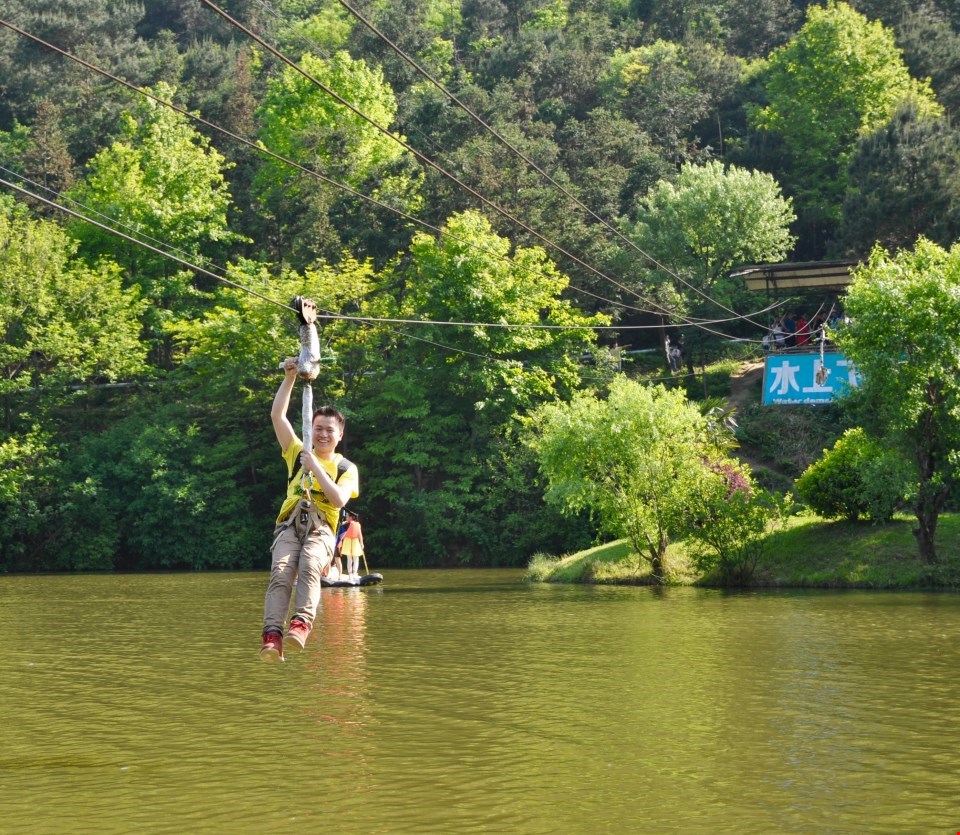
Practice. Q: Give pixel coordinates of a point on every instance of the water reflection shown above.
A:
(340, 663)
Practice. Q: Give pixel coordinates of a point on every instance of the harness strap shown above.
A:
(342, 466)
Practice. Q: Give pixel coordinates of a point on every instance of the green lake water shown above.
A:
(468, 701)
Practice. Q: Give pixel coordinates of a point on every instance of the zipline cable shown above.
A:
(327, 316)
(506, 143)
(425, 159)
(144, 244)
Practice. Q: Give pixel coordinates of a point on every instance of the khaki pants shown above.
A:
(302, 549)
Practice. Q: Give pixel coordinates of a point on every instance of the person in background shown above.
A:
(779, 333)
(351, 548)
(790, 330)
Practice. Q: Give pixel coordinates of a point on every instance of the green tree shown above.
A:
(712, 219)
(903, 336)
(164, 182)
(857, 477)
(310, 219)
(436, 421)
(839, 78)
(63, 324)
(668, 88)
(61, 321)
(635, 458)
(903, 182)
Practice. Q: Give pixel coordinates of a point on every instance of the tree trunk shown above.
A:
(657, 562)
(930, 502)
(932, 494)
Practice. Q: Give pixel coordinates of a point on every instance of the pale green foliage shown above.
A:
(635, 459)
(904, 336)
(839, 78)
(18, 459)
(309, 219)
(553, 15)
(857, 477)
(27, 464)
(161, 179)
(328, 28)
(438, 59)
(470, 274)
(14, 143)
(303, 123)
(445, 17)
(238, 344)
(61, 320)
(712, 219)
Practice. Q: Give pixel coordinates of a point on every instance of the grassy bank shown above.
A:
(810, 552)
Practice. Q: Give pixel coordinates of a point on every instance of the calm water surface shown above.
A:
(467, 701)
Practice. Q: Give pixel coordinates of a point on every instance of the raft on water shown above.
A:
(365, 580)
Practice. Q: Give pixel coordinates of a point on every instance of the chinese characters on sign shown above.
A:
(802, 380)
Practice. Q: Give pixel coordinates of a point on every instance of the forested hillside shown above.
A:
(596, 169)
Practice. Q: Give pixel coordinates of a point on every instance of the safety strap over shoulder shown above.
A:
(342, 466)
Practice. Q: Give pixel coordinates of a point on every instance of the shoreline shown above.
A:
(810, 553)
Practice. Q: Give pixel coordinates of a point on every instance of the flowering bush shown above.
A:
(731, 522)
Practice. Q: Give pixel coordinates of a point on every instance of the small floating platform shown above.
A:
(365, 580)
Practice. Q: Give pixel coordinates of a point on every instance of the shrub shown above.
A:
(856, 478)
(789, 438)
(540, 567)
(731, 523)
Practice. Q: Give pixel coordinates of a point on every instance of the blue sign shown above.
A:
(803, 380)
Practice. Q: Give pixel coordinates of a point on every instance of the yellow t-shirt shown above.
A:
(295, 485)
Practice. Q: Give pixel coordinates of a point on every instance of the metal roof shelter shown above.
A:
(810, 275)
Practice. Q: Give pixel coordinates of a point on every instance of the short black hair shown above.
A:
(331, 412)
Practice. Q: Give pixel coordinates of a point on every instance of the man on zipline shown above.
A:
(305, 536)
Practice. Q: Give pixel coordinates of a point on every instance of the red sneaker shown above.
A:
(296, 636)
(272, 649)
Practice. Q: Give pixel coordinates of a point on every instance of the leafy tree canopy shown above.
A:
(840, 77)
(61, 321)
(634, 458)
(301, 122)
(904, 336)
(161, 180)
(712, 219)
